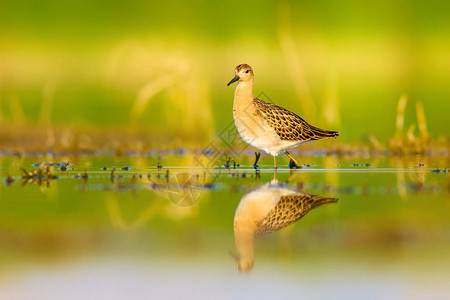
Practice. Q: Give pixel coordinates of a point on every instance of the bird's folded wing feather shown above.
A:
(290, 209)
(288, 125)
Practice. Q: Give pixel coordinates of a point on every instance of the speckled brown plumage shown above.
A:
(289, 210)
(288, 125)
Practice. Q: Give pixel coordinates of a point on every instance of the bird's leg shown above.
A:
(275, 166)
(291, 176)
(257, 156)
(275, 179)
(293, 160)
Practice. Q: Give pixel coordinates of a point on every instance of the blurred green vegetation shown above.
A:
(163, 66)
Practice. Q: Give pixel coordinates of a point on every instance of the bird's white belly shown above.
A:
(257, 204)
(257, 133)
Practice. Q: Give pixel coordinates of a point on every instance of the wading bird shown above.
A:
(266, 126)
(266, 209)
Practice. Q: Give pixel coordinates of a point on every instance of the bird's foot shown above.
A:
(257, 156)
(294, 165)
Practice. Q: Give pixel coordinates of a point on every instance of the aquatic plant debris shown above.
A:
(440, 171)
(44, 164)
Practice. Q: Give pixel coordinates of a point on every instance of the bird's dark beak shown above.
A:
(234, 255)
(235, 78)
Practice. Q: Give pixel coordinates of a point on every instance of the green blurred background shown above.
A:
(162, 66)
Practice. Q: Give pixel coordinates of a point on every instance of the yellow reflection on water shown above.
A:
(266, 209)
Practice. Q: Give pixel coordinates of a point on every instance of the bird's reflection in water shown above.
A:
(266, 209)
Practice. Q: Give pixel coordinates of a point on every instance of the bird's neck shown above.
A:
(243, 95)
(244, 236)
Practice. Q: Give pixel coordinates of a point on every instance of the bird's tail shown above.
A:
(321, 200)
(323, 134)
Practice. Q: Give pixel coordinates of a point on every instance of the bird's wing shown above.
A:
(288, 125)
(289, 210)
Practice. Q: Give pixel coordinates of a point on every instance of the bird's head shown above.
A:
(245, 264)
(243, 72)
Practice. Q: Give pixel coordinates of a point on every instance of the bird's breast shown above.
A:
(253, 129)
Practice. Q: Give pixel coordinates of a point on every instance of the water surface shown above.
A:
(341, 227)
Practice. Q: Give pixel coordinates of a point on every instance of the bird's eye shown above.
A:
(247, 71)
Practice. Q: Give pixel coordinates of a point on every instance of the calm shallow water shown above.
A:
(364, 227)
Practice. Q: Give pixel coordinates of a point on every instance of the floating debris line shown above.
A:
(242, 179)
(440, 171)
(45, 164)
